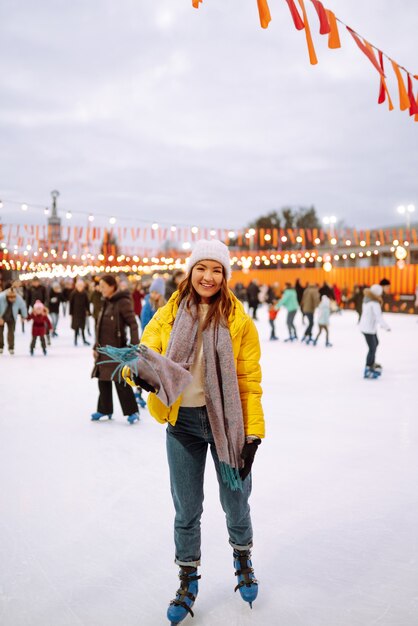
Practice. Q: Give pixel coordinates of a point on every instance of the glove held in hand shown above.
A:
(248, 454)
(140, 382)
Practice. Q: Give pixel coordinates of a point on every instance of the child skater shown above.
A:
(41, 325)
(324, 312)
(272, 318)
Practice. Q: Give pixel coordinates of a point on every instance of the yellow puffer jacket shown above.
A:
(246, 348)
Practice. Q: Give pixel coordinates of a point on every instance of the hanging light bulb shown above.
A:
(46, 211)
(173, 229)
(154, 226)
(112, 220)
(24, 206)
(91, 218)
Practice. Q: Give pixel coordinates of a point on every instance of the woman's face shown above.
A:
(107, 290)
(207, 277)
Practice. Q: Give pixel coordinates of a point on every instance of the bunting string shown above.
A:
(328, 25)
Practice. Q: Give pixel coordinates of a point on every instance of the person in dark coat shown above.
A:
(35, 292)
(357, 300)
(299, 293)
(79, 310)
(96, 299)
(252, 296)
(326, 290)
(173, 283)
(138, 295)
(53, 305)
(116, 316)
(67, 290)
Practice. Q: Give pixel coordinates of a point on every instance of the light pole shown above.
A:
(407, 211)
(330, 221)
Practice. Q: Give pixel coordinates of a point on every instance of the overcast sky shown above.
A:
(157, 111)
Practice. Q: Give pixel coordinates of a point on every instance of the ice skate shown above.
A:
(186, 595)
(133, 418)
(140, 400)
(247, 583)
(369, 372)
(328, 345)
(96, 416)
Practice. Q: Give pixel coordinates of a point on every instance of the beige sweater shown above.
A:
(194, 394)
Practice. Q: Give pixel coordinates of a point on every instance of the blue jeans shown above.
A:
(187, 444)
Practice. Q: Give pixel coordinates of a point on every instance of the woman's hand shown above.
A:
(248, 454)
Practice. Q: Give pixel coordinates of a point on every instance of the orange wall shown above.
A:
(402, 281)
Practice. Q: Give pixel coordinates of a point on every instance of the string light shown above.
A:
(112, 220)
(24, 206)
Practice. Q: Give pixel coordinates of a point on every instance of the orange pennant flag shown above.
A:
(403, 95)
(366, 48)
(264, 11)
(196, 3)
(312, 55)
(334, 37)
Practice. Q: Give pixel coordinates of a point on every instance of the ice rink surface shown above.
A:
(86, 515)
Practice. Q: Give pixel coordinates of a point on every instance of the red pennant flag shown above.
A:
(413, 109)
(366, 49)
(264, 12)
(297, 20)
(324, 25)
(383, 87)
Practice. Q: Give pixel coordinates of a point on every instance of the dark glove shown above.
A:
(140, 382)
(248, 454)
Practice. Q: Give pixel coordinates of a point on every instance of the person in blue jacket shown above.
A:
(289, 301)
(11, 304)
(153, 301)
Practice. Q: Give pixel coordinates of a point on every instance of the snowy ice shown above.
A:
(86, 521)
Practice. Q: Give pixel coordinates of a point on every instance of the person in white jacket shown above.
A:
(371, 318)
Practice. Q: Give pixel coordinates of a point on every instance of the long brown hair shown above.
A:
(220, 305)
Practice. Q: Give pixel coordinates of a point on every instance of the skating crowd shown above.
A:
(44, 302)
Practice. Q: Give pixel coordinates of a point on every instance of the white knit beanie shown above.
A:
(213, 250)
(376, 290)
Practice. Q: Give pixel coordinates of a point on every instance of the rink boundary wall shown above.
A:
(403, 281)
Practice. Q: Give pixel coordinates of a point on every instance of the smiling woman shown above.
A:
(204, 328)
